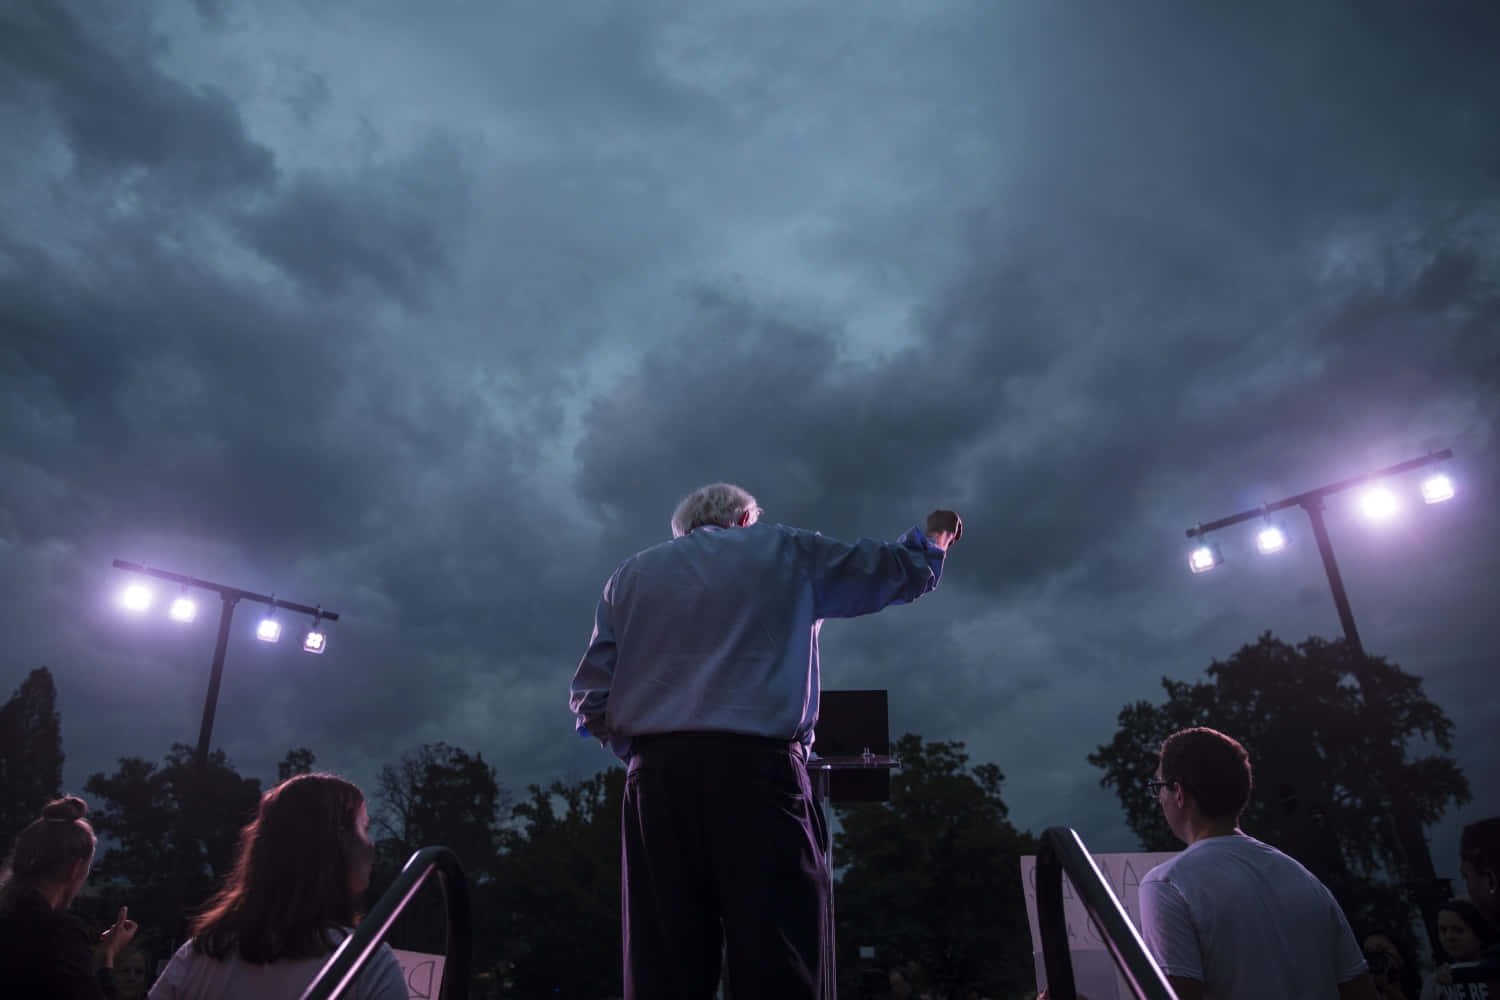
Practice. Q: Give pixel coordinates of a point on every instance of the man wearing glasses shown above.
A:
(1231, 918)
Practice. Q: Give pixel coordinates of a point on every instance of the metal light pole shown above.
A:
(228, 598)
(1421, 878)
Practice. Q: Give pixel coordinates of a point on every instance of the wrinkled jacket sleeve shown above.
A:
(589, 697)
(858, 578)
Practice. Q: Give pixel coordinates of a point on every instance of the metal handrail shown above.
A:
(1061, 851)
(355, 952)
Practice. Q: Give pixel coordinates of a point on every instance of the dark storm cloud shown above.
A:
(188, 395)
(431, 315)
(213, 12)
(166, 405)
(376, 235)
(188, 401)
(830, 432)
(1229, 296)
(119, 115)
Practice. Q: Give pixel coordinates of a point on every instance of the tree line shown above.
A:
(927, 882)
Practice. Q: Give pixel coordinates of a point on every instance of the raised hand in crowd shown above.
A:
(116, 937)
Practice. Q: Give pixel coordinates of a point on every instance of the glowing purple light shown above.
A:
(1379, 504)
(1203, 558)
(1436, 489)
(136, 597)
(184, 609)
(269, 630)
(1270, 539)
(315, 641)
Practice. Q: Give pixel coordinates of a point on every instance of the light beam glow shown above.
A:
(136, 597)
(315, 641)
(1270, 539)
(269, 630)
(1203, 558)
(1437, 488)
(184, 609)
(1379, 504)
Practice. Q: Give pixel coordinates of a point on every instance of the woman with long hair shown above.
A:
(44, 950)
(290, 900)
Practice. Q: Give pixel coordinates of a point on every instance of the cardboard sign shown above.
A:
(1094, 972)
(423, 972)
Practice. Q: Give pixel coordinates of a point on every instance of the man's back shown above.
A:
(720, 626)
(1248, 922)
(702, 673)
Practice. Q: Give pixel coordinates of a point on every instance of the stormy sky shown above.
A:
(429, 314)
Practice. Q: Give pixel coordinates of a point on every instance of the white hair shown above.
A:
(717, 503)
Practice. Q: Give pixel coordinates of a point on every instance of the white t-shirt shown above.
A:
(191, 976)
(1247, 922)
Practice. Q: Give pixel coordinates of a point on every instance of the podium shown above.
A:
(851, 762)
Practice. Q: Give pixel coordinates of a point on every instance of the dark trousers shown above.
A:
(723, 858)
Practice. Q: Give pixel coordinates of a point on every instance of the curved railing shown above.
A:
(1062, 851)
(357, 948)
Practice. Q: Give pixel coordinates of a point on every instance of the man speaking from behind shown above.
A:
(702, 674)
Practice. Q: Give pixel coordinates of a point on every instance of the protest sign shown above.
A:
(423, 973)
(1094, 972)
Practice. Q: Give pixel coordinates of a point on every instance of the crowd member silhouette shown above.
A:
(1464, 934)
(1231, 918)
(130, 974)
(1391, 968)
(702, 673)
(290, 900)
(1479, 857)
(1479, 864)
(45, 952)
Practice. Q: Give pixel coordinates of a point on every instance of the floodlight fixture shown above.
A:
(183, 607)
(1379, 504)
(1437, 488)
(1270, 538)
(315, 640)
(1204, 558)
(137, 597)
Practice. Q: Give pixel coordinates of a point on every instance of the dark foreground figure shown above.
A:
(702, 674)
(46, 952)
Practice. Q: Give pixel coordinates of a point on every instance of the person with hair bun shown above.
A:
(289, 902)
(46, 952)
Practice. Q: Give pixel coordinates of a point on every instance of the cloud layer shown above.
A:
(431, 316)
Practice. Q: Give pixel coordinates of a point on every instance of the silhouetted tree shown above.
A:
(558, 898)
(438, 795)
(172, 831)
(298, 761)
(31, 756)
(933, 875)
(1317, 742)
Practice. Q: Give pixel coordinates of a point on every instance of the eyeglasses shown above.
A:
(1157, 784)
